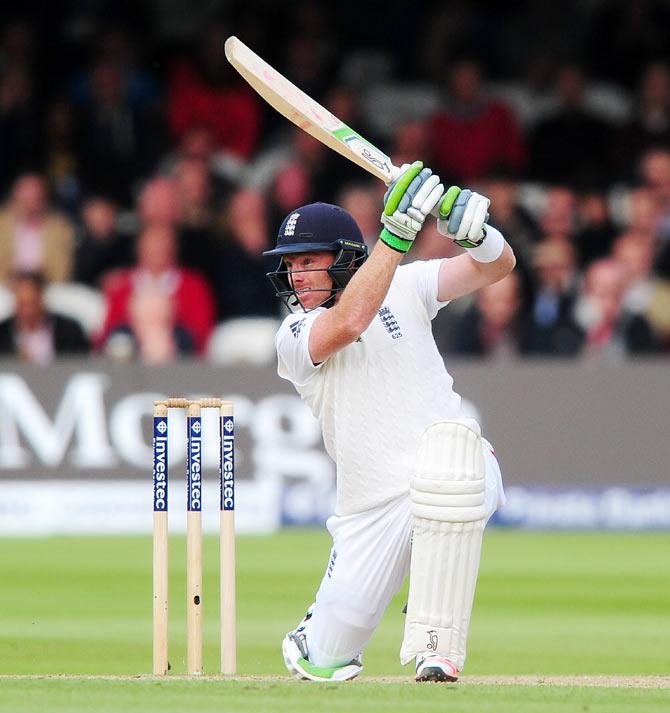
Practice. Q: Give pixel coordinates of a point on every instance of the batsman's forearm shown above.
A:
(364, 295)
(356, 306)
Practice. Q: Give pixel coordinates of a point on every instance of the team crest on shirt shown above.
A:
(296, 327)
(390, 323)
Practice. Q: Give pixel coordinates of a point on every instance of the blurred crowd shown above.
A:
(141, 179)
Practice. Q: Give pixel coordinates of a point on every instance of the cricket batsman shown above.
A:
(416, 482)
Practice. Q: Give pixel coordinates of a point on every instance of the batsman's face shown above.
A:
(309, 277)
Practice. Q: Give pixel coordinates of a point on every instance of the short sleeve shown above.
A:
(292, 342)
(422, 278)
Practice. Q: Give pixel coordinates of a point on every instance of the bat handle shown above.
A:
(394, 173)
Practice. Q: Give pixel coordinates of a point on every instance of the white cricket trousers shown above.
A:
(368, 563)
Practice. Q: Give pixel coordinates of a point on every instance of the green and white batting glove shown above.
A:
(407, 202)
(462, 217)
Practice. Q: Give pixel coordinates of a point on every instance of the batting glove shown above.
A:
(462, 217)
(407, 202)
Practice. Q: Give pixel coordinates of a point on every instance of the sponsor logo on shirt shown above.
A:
(389, 321)
(296, 327)
(290, 224)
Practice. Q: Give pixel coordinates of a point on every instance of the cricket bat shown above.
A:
(304, 112)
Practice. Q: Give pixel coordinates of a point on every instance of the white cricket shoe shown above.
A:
(296, 658)
(433, 667)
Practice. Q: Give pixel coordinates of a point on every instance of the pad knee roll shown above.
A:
(449, 485)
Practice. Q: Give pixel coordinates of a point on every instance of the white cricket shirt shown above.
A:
(375, 397)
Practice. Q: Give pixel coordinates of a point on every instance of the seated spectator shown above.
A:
(621, 35)
(60, 155)
(193, 189)
(362, 202)
(300, 170)
(121, 44)
(33, 334)
(343, 101)
(157, 270)
(157, 203)
(642, 213)
(242, 281)
(655, 175)
(33, 238)
(650, 125)
(162, 202)
(410, 139)
(571, 145)
(596, 232)
(558, 217)
(609, 330)
(550, 330)
(18, 42)
(304, 56)
(655, 172)
(290, 172)
(197, 144)
(472, 135)
(193, 192)
(492, 327)
(152, 333)
(19, 125)
(511, 218)
(645, 293)
(119, 141)
(529, 90)
(100, 246)
(207, 91)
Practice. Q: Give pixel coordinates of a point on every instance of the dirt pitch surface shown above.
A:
(540, 681)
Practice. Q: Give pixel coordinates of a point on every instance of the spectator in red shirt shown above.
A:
(163, 202)
(206, 91)
(152, 335)
(471, 135)
(158, 271)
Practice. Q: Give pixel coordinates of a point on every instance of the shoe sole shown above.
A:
(346, 673)
(435, 674)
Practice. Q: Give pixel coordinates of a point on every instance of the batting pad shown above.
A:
(447, 495)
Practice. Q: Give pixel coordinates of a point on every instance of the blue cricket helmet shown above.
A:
(318, 227)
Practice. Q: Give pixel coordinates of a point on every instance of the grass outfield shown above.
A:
(548, 606)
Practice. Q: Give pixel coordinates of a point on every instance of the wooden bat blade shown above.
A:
(303, 111)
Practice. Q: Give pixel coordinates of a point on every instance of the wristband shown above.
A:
(490, 248)
(394, 242)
